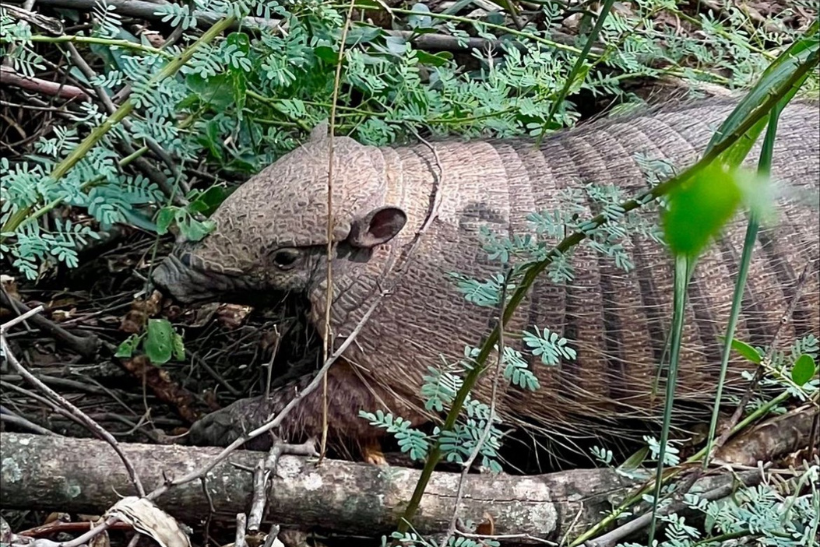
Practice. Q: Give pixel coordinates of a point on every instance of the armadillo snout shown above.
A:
(176, 277)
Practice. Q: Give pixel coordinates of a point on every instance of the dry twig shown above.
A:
(9, 77)
(84, 345)
(88, 422)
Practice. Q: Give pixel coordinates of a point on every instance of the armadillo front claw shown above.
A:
(372, 453)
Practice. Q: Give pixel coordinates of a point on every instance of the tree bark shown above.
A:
(83, 475)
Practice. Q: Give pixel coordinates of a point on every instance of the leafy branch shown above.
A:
(21, 215)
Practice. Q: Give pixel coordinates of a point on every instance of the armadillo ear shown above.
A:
(376, 227)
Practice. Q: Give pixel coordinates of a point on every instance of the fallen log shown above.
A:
(81, 475)
(772, 438)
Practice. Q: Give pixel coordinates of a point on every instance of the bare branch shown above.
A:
(88, 422)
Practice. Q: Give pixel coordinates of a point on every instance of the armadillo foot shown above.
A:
(372, 453)
(224, 426)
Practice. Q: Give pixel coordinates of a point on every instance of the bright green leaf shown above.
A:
(159, 341)
(194, 230)
(165, 218)
(746, 351)
(803, 369)
(372, 4)
(126, 349)
(179, 347)
(439, 59)
(208, 201)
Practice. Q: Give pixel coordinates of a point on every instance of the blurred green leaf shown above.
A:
(396, 45)
(362, 34)
(327, 54)
(210, 139)
(141, 219)
(213, 90)
(192, 229)
(421, 20)
(208, 201)
(700, 207)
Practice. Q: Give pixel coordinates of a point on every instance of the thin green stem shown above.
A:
(125, 44)
(576, 68)
(327, 334)
(131, 157)
(764, 167)
(724, 537)
(684, 266)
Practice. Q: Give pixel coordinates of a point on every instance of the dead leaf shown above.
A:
(231, 316)
(148, 519)
(486, 528)
(58, 316)
(57, 517)
(203, 314)
(163, 386)
(141, 310)
(10, 286)
(121, 263)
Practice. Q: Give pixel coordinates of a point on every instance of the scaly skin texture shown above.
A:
(616, 320)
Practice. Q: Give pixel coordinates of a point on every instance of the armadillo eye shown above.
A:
(285, 258)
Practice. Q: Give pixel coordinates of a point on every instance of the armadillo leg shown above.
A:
(347, 394)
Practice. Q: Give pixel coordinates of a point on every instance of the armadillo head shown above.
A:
(271, 233)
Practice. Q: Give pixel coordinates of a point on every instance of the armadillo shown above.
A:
(410, 215)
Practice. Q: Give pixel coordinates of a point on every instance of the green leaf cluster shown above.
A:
(160, 342)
